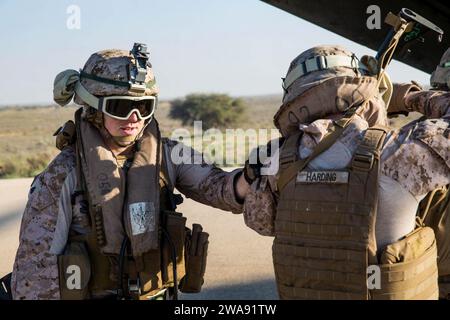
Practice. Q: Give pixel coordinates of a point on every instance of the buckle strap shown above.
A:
(134, 286)
(289, 150)
(363, 160)
(369, 149)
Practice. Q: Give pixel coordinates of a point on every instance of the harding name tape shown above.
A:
(334, 177)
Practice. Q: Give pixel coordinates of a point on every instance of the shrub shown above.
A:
(24, 166)
(215, 110)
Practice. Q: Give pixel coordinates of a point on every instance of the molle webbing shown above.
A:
(325, 232)
(412, 280)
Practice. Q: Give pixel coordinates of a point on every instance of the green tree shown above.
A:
(215, 110)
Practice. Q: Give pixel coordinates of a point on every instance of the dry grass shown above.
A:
(26, 133)
(27, 143)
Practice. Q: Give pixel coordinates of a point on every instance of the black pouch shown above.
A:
(74, 272)
(5, 287)
(195, 256)
(173, 246)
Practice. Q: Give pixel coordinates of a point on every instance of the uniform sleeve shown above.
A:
(261, 201)
(418, 156)
(35, 273)
(260, 207)
(432, 104)
(203, 182)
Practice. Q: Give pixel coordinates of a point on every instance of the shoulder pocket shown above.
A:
(41, 197)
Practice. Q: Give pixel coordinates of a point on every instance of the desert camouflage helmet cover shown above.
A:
(110, 72)
(440, 78)
(325, 89)
(114, 64)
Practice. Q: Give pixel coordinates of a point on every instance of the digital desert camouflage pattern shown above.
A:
(260, 207)
(203, 182)
(432, 104)
(416, 156)
(114, 64)
(35, 274)
(42, 236)
(418, 163)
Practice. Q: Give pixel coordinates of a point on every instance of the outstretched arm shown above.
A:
(204, 182)
(432, 104)
(409, 97)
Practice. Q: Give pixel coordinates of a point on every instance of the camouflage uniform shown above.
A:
(46, 225)
(52, 212)
(415, 157)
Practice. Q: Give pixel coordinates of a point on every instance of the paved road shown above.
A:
(239, 260)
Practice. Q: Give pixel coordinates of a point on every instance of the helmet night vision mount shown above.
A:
(138, 71)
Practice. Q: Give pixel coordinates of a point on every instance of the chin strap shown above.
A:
(123, 141)
(129, 140)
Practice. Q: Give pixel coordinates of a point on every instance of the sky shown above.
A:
(238, 47)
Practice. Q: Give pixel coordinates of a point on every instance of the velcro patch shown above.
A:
(142, 217)
(334, 177)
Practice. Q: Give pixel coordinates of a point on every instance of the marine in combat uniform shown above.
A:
(343, 197)
(100, 221)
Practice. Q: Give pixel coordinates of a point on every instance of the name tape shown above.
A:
(335, 177)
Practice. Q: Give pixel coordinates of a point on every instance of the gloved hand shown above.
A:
(195, 259)
(252, 171)
(401, 90)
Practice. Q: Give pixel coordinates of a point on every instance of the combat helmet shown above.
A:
(322, 81)
(112, 82)
(440, 78)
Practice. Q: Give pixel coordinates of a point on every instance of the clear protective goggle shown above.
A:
(119, 107)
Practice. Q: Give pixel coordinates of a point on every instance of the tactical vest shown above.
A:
(155, 273)
(325, 246)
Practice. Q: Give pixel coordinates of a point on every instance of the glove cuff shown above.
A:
(400, 91)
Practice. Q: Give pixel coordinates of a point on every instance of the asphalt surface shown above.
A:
(239, 260)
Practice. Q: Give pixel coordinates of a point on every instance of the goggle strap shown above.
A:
(90, 99)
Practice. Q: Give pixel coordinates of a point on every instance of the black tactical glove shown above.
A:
(195, 259)
(252, 171)
(5, 287)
